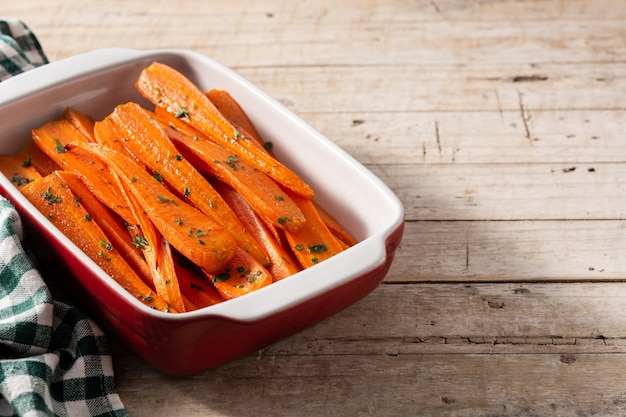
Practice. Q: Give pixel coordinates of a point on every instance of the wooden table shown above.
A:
(501, 126)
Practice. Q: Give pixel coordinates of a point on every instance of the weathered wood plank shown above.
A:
(344, 33)
(558, 191)
(554, 136)
(510, 251)
(416, 385)
(430, 352)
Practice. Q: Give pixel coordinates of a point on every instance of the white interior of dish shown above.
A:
(96, 82)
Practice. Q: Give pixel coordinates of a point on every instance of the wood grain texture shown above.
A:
(500, 125)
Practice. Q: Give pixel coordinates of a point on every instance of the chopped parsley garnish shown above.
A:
(318, 248)
(166, 200)
(106, 245)
(140, 242)
(224, 276)
(51, 198)
(59, 146)
(182, 112)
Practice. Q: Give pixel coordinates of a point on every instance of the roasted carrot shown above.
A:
(194, 285)
(167, 88)
(313, 242)
(17, 171)
(145, 139)
(33, 156)
(80, 121)
(263, 194)
(56, 201)
(242, 275)
(123, 237)
(191, 232)
(232, 111)
(158, 255)
(282, 263)
(58, 141)
(334, 226)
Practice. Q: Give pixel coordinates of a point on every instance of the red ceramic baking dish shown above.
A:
(187, 343)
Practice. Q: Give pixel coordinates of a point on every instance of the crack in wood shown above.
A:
(525, 114)
(438, 138)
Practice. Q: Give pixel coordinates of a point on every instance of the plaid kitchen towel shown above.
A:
(54, 361)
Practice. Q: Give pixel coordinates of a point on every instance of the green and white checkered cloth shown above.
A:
(54, 361)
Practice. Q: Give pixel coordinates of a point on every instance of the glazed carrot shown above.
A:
(282, 263)
(194, 234)
(233, 112)
(32, 155)
(158, 256)
(263, 194)
(313, 242)
(195, 287)
(241, 275)
(56, 140)
(167, 88)
(123, 237)
(145, 139)
(334, 226)
(16, 171)
(80, 121)
(56, 201)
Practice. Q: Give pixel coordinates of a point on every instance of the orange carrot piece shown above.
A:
(167, 88)
(17, 171)
(195, 287)
(282, 263)
(55, 139)
(145, 139)
(233, 112)
(263, 194)
(158, 256)
(242, 275)
(56, 201)
(334, 226)
(122, 236)
(194, 234)
(80, 121)
(32, 155)
(313, 242)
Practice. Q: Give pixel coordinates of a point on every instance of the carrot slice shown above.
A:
(56, 140)
(334, 226)
(194, 234)
(158, 256)
(56, 201)
(167, 88)
(122, 236)
(233, 112)
(242, 275)
(145, 139)
(263, 194)
(17, 171)
(32, 155)
(313, 242)
(282, 263)
(80, 121)
(194, 285)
